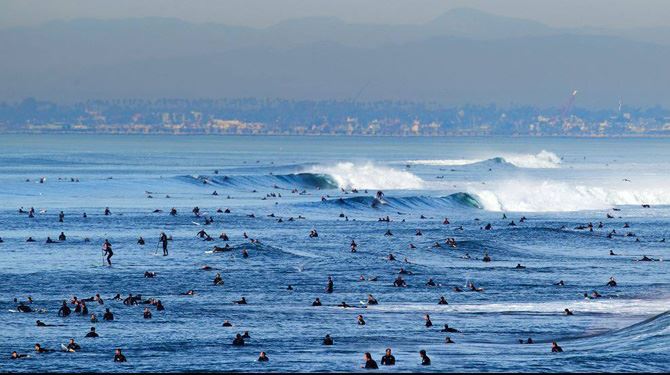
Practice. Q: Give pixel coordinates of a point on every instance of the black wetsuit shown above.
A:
(388, 360)
(64, 311)
(107, 248)
(371, 364)
(425, 361)
(164, 240)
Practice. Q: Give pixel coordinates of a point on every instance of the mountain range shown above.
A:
(464, 56)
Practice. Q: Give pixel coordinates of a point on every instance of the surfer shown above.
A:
(107, 250)
(92, 333)
(23, 308)
(360, 320)
(108, 316)
(118, 356)
(449, 329)
(218, 280)
(72, 346)
(399, 282)
(164, 240)
(372, 300)
(611, 283)
(429, 323)
(442, 301)
(555, 348)
(327, 340)
(64, 310)
(16, 355)
(329, 286)
(219, 249)
(238, 341)
(262, 357)
(131, 300)
(370, 364)
(242, 301)
(472, 287)
(40, 349)
(317, 302)
(425, 360)
(388, 359)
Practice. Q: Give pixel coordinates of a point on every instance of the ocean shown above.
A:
(277, 190)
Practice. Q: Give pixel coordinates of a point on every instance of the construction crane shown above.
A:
(568, 105)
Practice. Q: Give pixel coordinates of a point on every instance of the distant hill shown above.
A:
(462, 56)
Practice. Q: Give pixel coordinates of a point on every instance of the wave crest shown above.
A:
(544, 159)
(348, 175)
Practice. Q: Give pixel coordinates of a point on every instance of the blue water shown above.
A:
(557, 184)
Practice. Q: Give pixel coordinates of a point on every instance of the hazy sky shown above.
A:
(259, 13)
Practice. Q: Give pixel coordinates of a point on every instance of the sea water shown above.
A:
(557, 184)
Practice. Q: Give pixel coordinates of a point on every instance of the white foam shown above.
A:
(551, 196)
(543, 159)
(601, 305)
(349, 175)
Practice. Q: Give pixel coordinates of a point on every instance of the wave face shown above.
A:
(650, 335)
(552, 196)
(349, 175)
(285, 181)
(408, 203)
(341, 175)
(542, 160)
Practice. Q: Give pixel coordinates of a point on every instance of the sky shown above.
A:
(262, 13)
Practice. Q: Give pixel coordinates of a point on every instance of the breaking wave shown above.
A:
(543, 159)
(341, 175)
(552, 196)
(348, 175)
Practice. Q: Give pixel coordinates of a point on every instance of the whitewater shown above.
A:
(555, 207)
